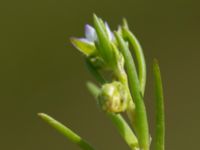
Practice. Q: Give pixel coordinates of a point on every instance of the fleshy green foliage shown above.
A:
(108, 52)
(66, 132)
(160, 126)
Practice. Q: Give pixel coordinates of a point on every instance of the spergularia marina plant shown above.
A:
(121, 80)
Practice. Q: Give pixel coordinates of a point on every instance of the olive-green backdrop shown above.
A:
(41, 72)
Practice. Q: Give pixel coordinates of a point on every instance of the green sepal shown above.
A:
(87, 48)
(103, 43)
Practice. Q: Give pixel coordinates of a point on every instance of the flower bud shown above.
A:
(113, 97)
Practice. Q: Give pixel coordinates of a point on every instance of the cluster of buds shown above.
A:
(102, 52)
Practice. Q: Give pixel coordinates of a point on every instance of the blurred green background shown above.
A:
(41, 72)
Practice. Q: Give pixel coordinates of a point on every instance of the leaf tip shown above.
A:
(125, 23)
(42, 115)
(156, 64)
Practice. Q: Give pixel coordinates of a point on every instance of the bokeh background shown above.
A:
(40, 71)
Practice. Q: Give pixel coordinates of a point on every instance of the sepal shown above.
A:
(84, 46)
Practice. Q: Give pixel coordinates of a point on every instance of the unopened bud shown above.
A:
(113, 97)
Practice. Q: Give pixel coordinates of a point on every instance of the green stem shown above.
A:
(73, 137)
(141, 116)
(160, 119)
(119, 122)
(138, 53)
(94, 71)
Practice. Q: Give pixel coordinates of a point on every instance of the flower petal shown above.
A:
(90, 33)
(83, 45)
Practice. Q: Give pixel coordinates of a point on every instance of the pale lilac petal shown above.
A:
(90, 33)
(110, 34)
(85, 40)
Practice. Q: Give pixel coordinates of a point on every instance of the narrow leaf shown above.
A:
(140, 111)
(93, 89)
(103, 44)
(73, 137)
(160, 116)
(124, 130)
(137, 49)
